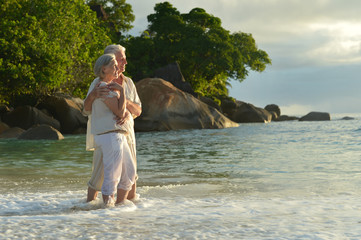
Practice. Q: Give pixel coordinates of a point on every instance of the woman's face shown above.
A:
(111, 71)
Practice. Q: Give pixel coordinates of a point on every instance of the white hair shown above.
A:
(114, 49)
(103, 60)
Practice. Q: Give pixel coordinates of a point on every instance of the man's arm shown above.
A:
(134, 108)
(88, 102)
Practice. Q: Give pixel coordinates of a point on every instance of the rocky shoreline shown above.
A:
(168, 103)
(165, 107)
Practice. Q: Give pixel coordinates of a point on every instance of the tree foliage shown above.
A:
(46, 46)
(118, 19)
(208, 54)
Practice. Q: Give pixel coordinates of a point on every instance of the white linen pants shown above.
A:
(119, 169)
(97, 177)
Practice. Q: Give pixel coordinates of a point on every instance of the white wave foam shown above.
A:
(157, 215)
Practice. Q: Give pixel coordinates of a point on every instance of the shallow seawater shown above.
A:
(282, 180)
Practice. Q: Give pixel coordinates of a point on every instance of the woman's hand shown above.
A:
(116, 87)
(97, 92)
(100, 91)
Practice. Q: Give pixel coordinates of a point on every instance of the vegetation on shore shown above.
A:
(48, 46)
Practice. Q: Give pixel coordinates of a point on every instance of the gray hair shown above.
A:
(103, 60)
(114, 49)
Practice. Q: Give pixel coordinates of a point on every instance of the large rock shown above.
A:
(173, 74)
(247, 113)
(41, 132)
(274, 110)
(348, 118)
(27, 116)
(316, 116)
(228, 107)
(3, 110)
(13, 132)
(3, 127)
(210, 102)
(68, 111)
(165, 107)
(242, 112)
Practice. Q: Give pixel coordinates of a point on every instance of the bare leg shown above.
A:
(132, 192)
(92, 194)
(108, 198)
(121, 196)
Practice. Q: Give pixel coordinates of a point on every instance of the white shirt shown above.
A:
(131, 95)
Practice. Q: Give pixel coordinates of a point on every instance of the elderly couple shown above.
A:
(111, 104)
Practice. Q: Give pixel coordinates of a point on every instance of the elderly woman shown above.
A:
(110, 137)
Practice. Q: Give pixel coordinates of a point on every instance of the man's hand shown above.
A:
(120, 121)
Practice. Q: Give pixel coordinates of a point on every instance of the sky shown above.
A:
(315, 47)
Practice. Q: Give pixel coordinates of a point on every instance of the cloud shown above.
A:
(315, 32)
(295, 110)
(327, 88)
(315, 47)
(343, 46)
(308, 31)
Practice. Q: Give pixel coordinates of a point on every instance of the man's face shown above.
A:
(122, 61)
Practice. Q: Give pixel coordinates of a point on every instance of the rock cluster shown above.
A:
(55, 116)
(165, 107)
(168, 103)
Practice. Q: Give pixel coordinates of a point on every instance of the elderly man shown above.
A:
(133, 105)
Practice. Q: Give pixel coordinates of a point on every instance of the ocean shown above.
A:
(279, 180)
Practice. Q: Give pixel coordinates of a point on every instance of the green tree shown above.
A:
(47, 46)
(118, 16)
(140, 52)
(208, 54)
